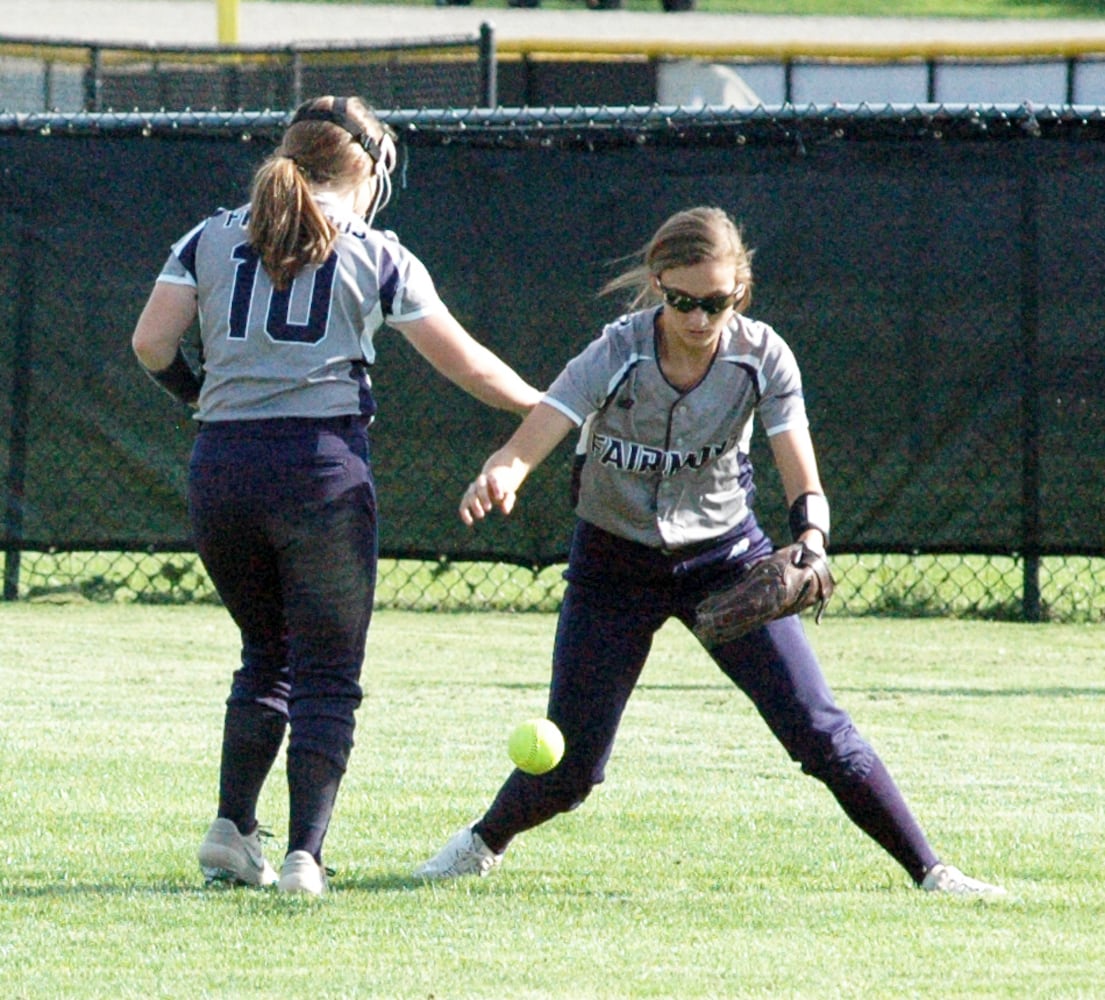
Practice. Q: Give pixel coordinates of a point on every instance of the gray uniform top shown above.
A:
(301, 352)
(663, 466)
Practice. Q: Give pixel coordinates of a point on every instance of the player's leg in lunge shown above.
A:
(779, 672)
(602, 642)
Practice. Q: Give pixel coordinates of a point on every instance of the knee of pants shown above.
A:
(567, 787)
(326, 730)
(840, 756)
(333, 750)
(269, 687)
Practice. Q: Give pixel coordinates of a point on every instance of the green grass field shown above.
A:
(706, 867)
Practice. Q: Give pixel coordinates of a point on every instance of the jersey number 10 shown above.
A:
(278, 324)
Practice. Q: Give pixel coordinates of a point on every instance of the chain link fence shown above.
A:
(1072, 588)
(39, 75)
(948, 338)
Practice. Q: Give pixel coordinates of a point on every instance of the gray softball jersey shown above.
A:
(668, 467)
(302, 352)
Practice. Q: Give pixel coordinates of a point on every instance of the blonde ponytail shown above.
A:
(286, 227)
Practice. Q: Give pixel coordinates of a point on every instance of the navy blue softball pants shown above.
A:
(284, 517)
(618, 596)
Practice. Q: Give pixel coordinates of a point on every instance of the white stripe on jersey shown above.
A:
(789, 425)
(750, 363)
(632, 361)
(177, 279)
(574, 417)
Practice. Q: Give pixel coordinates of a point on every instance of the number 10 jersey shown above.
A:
(302, 351)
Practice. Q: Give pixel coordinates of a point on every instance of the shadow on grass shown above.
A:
(874, 692)
(641, 686)
(28, 887)
(966, 692)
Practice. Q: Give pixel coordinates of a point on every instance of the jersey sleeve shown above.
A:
(180, 268)
(587, 381)
(782, 405)
(407, 292)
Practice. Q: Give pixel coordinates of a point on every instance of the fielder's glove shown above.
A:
(789, 580)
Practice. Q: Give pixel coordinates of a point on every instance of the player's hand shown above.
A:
(485, 492)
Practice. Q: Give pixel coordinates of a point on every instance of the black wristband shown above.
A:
(810, 510)
(178, 380)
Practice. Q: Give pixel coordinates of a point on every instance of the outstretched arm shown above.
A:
(442, 341)
(504, 472)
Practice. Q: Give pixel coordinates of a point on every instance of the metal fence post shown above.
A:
(296, 81)
(93, 83)
(1030, 386)
(489, 73)
(22, 363)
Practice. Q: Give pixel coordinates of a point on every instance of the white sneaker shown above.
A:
(302, 873)
(946, 878)
(464, 854)
(226, 856)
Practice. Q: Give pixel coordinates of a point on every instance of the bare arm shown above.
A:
(442, 341)
(169, 312)
(504, 472)
(797, 464)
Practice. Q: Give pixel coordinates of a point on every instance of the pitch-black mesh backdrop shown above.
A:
(935, 272)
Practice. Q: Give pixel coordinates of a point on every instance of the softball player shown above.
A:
(289, 291)
(665, 400)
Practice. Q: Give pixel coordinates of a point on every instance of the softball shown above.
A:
(536, 746)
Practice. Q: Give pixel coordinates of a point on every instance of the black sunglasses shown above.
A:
(711, 305)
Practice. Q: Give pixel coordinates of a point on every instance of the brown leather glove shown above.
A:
(788, 581)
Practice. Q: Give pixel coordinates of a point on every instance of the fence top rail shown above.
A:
(795, 51)
(1074, 47)
(59, 49)
(528, 127)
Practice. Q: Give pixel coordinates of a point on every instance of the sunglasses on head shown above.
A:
(711, 304)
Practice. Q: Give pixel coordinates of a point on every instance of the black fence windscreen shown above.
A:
(935, 270)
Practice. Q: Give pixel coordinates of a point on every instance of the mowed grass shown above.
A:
(707, 866)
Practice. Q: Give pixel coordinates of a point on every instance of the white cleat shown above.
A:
(947, 878)
(464, 854)
(226, 856)
(301, 873)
